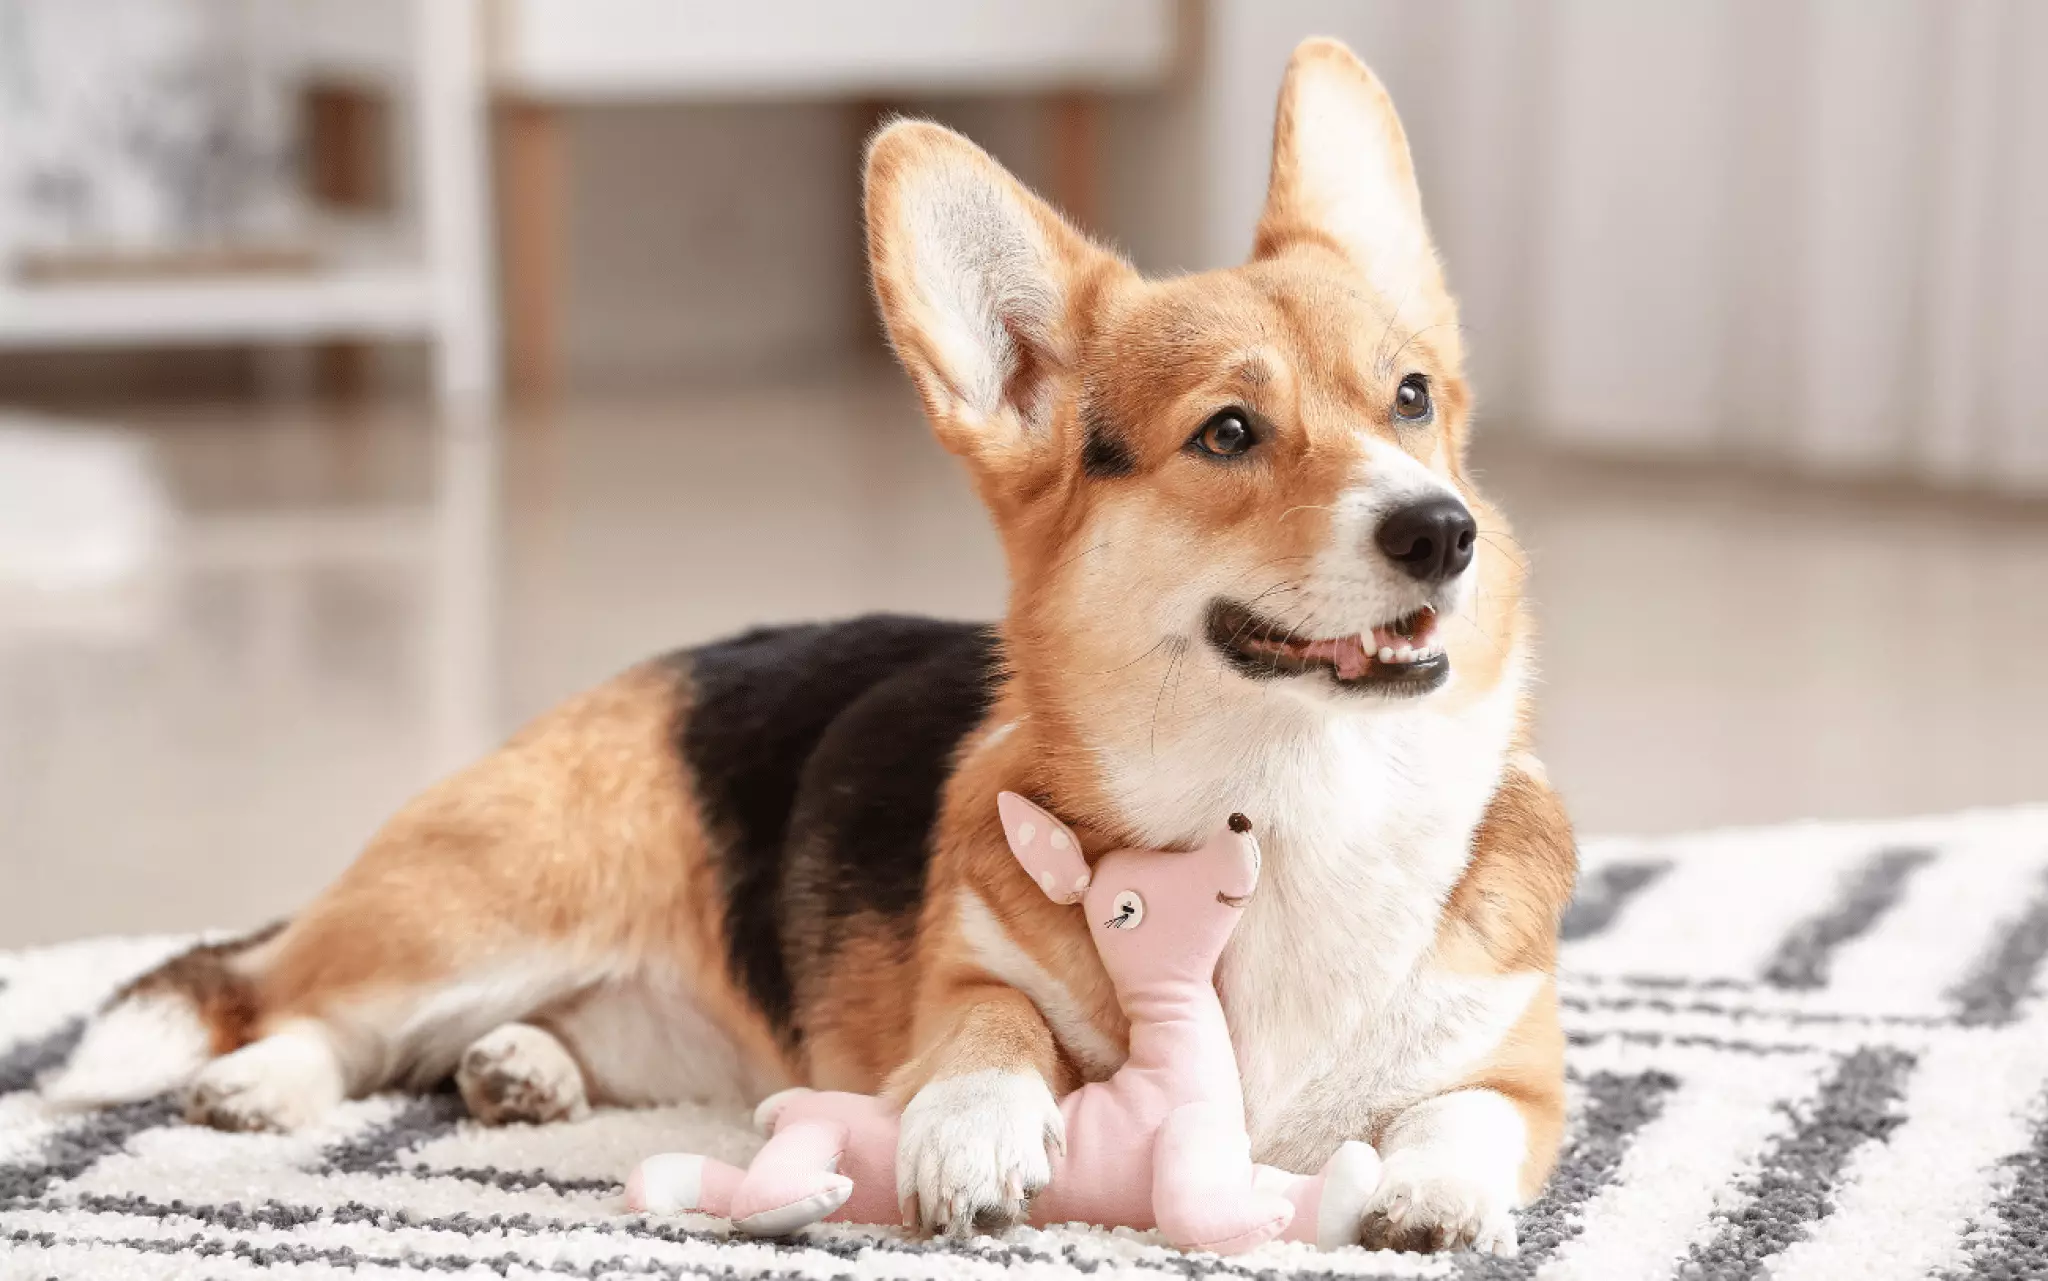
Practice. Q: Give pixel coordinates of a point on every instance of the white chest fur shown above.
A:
(1366, 822)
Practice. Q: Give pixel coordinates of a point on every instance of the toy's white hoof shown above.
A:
(1350, 1178)
(766, 1110)
(666, 1184)
(785, 1219)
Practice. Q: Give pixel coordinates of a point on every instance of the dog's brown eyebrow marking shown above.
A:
(1105, 456)
(1253, 371)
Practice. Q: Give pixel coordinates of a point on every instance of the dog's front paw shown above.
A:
(1425, 1202)
(974, 1149)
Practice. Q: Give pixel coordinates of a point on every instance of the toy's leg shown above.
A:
(770, 1108)
(1203, 1191)
(794, 1180)
(1329, 1206)
(677, 1181)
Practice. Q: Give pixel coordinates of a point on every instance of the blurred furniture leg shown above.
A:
(452, 101)
(347, 128)
(462, 649)
(532, 203)
(1076, 133)
(456, 210)
(548, 54)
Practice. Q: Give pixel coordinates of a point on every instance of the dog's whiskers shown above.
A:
(1180, 649)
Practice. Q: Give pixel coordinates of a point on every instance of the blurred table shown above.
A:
(546, 55)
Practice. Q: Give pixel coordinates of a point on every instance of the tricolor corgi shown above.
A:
(1249, 573)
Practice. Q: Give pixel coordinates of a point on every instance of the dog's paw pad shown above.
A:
(974, 1149)
(280, 1083)
(1422, 1206)
(519, 1073)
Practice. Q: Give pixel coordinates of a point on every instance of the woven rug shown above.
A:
(1805, 1052)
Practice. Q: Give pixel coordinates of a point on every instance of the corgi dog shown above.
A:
(1249, 574)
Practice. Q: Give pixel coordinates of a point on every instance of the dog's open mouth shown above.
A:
(1403, 656)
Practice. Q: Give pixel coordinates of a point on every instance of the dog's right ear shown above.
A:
(977, 279)
(1049, 852)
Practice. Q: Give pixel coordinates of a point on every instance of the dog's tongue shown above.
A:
(1346, 653)
(1351, 655)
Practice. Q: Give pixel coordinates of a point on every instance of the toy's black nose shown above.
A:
(1431, 540)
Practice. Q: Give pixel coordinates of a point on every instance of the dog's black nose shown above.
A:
(1432, 540)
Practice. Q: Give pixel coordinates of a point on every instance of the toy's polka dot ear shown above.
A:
(1050, 854)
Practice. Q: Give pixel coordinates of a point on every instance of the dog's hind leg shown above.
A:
(564, 864)
(159, 1030)
(315, 1043)
(521, 1073)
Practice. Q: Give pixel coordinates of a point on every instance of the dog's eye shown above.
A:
(1411, 399)
(1226, 435)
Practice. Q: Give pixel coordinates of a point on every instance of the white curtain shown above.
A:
(1802, 232)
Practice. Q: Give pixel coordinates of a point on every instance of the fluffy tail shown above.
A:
(157, 1032)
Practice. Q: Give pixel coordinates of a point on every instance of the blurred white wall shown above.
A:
(1798, 231)
(1792, 232)
(713, 238)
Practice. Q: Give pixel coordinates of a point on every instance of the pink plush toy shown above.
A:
(1162, 1143)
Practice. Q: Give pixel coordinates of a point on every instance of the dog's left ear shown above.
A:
(1045, 847)
(978, 281)
(1342, 177)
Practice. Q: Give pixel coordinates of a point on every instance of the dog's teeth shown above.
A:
(1386, 653)
(1403, 654)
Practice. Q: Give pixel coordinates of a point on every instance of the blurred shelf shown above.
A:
(355, 302)
(442, 294)
(602, 49)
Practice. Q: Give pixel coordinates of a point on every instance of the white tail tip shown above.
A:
(135, 1050)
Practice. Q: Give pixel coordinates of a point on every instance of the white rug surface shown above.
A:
(1808, 1052)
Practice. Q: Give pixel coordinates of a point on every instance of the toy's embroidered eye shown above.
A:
(1130, 909)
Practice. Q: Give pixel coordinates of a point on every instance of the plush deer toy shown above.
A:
(1160, 1144)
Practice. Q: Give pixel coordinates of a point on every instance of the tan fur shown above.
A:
(577, 836)
(208, 975)
(1503, 915)
(1503, 918)
(855, 1031)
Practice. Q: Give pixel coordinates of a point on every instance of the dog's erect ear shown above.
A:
(1050, 854)
(976, 278)
(1342, 177)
